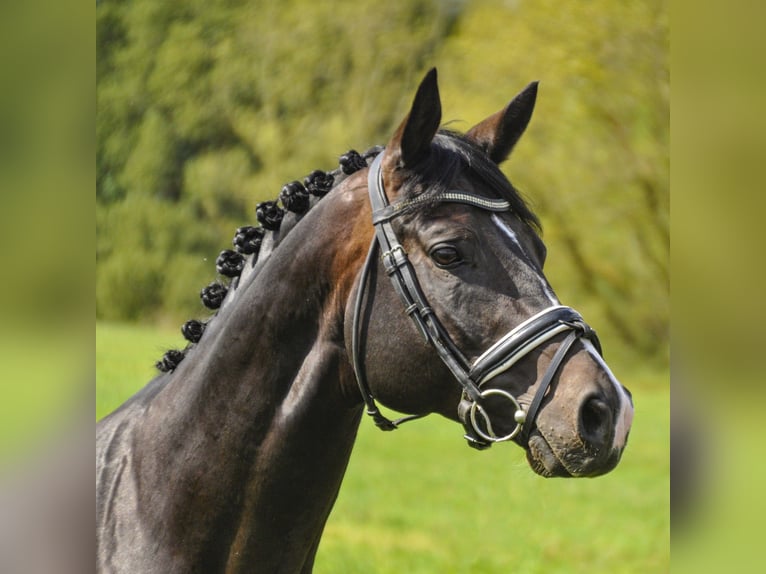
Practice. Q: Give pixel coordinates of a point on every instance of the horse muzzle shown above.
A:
(475, 409)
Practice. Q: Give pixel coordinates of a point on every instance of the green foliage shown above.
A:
(207, 108)
(595, 159)
(128, 286)
(146, 247)
(217, 183)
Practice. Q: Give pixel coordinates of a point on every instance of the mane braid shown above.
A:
(451, 154)
(275, 222)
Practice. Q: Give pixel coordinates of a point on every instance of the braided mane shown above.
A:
(452, 153)
(253, 244)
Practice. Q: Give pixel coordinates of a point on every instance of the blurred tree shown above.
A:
(207, 108)
(595, 161)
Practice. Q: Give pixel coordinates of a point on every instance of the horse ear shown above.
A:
(411, 142)
(500, 132)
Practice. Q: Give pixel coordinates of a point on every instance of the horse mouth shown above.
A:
(543, 460)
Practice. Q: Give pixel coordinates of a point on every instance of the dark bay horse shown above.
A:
(412, 275)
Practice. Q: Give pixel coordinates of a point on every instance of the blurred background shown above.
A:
(274, 90)
(204, 109)
(207, 108)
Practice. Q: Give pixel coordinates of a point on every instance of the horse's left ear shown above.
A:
(500, 132)
(412, 141)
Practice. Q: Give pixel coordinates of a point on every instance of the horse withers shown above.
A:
(412, 276)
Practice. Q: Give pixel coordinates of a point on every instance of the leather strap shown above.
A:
(498, 358)
(524, 338)
(542, 390)
(388, 212)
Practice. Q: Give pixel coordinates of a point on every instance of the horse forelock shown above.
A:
(452, 155)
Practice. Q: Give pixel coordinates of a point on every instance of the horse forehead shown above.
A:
(446, 214)
(454, 214)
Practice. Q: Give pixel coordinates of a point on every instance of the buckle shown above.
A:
(394, 258)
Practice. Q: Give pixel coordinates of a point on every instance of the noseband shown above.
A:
(500, 357)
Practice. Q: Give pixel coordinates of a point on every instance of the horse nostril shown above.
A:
(594, 421)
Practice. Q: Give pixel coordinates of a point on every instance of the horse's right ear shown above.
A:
(499, 132)
(411, 142)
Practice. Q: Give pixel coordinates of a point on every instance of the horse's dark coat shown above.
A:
(232, 461)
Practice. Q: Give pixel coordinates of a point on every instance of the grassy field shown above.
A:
(419, 500)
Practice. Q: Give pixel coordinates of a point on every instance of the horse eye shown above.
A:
(445, 256)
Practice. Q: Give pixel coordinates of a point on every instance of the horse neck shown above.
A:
(256, 425)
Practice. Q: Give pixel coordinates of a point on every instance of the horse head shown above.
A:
(453, 314)
(449, 313)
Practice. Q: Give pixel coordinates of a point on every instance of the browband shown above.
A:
(388, 212)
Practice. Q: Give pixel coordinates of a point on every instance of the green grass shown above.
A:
(419, 500)
(125, 357)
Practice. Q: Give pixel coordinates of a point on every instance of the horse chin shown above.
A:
(542, 458)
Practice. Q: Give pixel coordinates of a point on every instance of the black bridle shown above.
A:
(500, 357)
